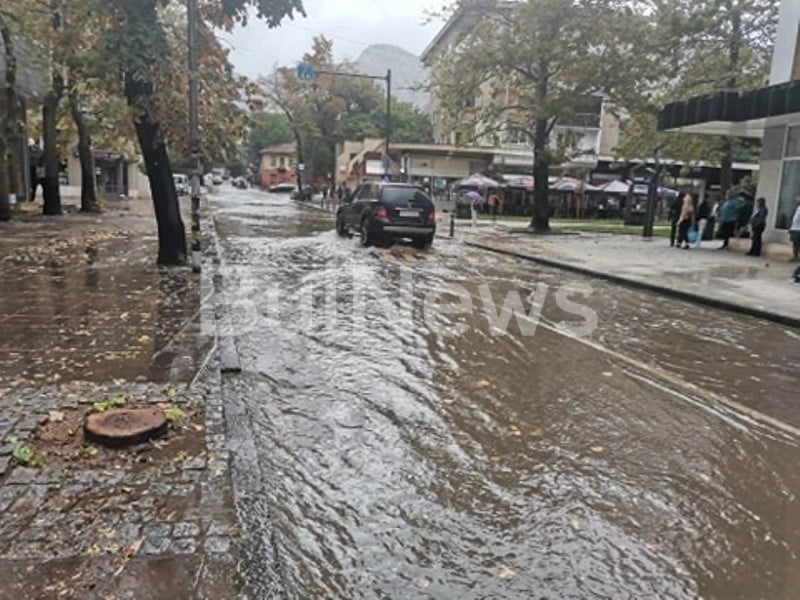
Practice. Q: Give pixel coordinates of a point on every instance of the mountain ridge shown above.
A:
(408, 73)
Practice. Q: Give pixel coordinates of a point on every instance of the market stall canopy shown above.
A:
(570, 184)
(518, 181)
(616, 187)
(477, 180)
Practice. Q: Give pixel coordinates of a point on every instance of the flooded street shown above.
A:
(418, 454)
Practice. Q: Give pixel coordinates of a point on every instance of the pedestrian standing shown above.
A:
(685, 221)
(674, 217)
(794, 232)
(703, 215)
(36, 169)
(728, 217)
(758, 222)
(493, 202)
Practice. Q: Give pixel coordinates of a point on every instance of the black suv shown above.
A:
(383, 211)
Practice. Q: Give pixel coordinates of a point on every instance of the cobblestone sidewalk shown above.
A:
(88, 320)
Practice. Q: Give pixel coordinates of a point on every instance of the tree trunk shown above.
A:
(734, 58)
(726, 167)
(540, 220)
(5, 208)
(52, 193)
(7, 119)
(88, 192)
(171, 231)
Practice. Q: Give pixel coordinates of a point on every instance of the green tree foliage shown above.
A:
(697, 47)
(267, 129)
(337, 107)
(525, 67)
(141, 47)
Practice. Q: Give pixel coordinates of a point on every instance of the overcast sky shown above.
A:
(351, 24)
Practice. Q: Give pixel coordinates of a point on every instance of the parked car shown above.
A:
(283, 188)
(181, 184)
(216, 179)
(240, 182)
(383, 212)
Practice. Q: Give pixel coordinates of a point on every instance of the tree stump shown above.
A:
(122, 427)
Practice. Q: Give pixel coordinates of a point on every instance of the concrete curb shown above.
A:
(651, 287)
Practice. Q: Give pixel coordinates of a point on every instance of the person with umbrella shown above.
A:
(474, 199)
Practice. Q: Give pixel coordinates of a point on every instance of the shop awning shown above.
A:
(744, 114)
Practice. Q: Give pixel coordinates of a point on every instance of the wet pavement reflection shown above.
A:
(407, 461)
(102, 314)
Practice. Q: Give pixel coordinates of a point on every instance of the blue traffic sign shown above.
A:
(306, 72)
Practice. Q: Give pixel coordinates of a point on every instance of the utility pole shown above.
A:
(194, 134)
(387, 160)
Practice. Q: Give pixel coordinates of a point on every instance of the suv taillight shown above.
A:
(432, 218)
(380, 212)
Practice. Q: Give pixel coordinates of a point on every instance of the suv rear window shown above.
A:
(394, 196)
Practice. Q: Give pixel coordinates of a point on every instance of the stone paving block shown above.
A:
(22, 475)
(196, 463)
(217, 544)
(185, 529)
(157, 538)
(184, 546)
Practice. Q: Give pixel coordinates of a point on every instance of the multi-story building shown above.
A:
(588, 136)
(278, 164)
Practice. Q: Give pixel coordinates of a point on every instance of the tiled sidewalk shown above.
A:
(87, 315)
(719, 278)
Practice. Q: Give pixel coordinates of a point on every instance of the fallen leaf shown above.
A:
(483, 383)
(144, 340)
(56, 416)
(448, 401)
(505, 572)
(598, 449)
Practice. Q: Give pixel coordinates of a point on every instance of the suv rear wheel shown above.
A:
(367, 239)
(341, 228)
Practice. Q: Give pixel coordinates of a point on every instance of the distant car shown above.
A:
(181, 184)
(384, 212)
(216, 179)
(283, 188)
(240, 182)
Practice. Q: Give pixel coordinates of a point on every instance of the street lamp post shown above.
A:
(194, 133)
(307, 73)
(388, 120)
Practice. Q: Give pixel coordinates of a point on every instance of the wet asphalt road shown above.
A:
(414, 457)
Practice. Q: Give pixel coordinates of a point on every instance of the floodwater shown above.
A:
(97, 311)
(419, 454)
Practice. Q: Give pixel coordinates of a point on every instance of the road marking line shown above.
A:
(686, 391)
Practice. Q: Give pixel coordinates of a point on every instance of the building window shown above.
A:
(282, 162)
(273, 162)
(790, 189)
